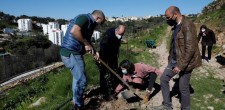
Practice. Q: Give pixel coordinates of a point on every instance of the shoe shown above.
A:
(79, 108)
(203, 60)
(209, 60)
(146, 97)
(162, 107)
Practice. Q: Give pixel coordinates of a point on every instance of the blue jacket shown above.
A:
(71, 43)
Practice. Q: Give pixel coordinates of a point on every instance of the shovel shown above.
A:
(124, 82)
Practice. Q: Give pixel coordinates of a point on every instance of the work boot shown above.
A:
(146, 97)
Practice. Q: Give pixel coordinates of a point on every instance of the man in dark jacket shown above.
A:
(208, 39)
(109, 51)
(184, 56)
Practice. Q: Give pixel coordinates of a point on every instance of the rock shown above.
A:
(223, 47)
(38, 102)
(210, 108)
(221, 39)
(132, 46)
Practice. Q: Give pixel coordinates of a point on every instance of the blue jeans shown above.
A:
(77, 67)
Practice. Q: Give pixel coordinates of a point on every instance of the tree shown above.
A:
(42, 42)
(62, 21)
(24, 16)
(114, 17)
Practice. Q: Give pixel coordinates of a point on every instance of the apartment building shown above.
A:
(24, 24)
(56, 36)
(64, 28)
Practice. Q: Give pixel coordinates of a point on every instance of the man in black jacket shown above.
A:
(208, 39)
(109, 51)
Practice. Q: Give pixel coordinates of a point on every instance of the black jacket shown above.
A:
(109, 46)
(208, 39)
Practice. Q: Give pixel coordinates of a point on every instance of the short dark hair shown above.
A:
(99, 13)
(203, 26)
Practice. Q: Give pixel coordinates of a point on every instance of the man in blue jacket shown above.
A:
(76, 42)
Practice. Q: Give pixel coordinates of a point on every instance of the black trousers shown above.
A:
(209, 51)
(148, 82)
(108, 81)
(151, 81)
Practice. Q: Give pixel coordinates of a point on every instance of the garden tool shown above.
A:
(114, 73)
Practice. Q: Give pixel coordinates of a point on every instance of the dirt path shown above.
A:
(163, 56)
(211, 66)
(214, 67)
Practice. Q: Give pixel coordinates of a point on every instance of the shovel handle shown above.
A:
(110, 69)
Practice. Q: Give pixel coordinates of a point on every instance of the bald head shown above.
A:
(173, 10)
(173, 15)
(120, 30)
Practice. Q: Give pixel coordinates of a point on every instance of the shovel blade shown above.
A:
(127, 94)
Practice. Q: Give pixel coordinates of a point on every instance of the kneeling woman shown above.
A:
(138, 74)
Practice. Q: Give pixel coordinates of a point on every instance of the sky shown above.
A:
(68, 9)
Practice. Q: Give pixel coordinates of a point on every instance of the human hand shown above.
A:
(204, 34)
(89, 49)
(176, 70)
(96, 57)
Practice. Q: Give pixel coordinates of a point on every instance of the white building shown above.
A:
(96, 35)
(55, 36)
(53, 25)
(110, 19)
(24, 24)
(47, 28)
(64, 28)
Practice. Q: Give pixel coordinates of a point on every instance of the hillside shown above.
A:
(213, 16)
(209, 89)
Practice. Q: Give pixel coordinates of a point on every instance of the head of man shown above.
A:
(98, 16)
(120, 30)
(173, 15)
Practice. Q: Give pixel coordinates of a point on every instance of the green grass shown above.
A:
(214, 19)
(208, 91)
(54, 86)
(216, 49)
